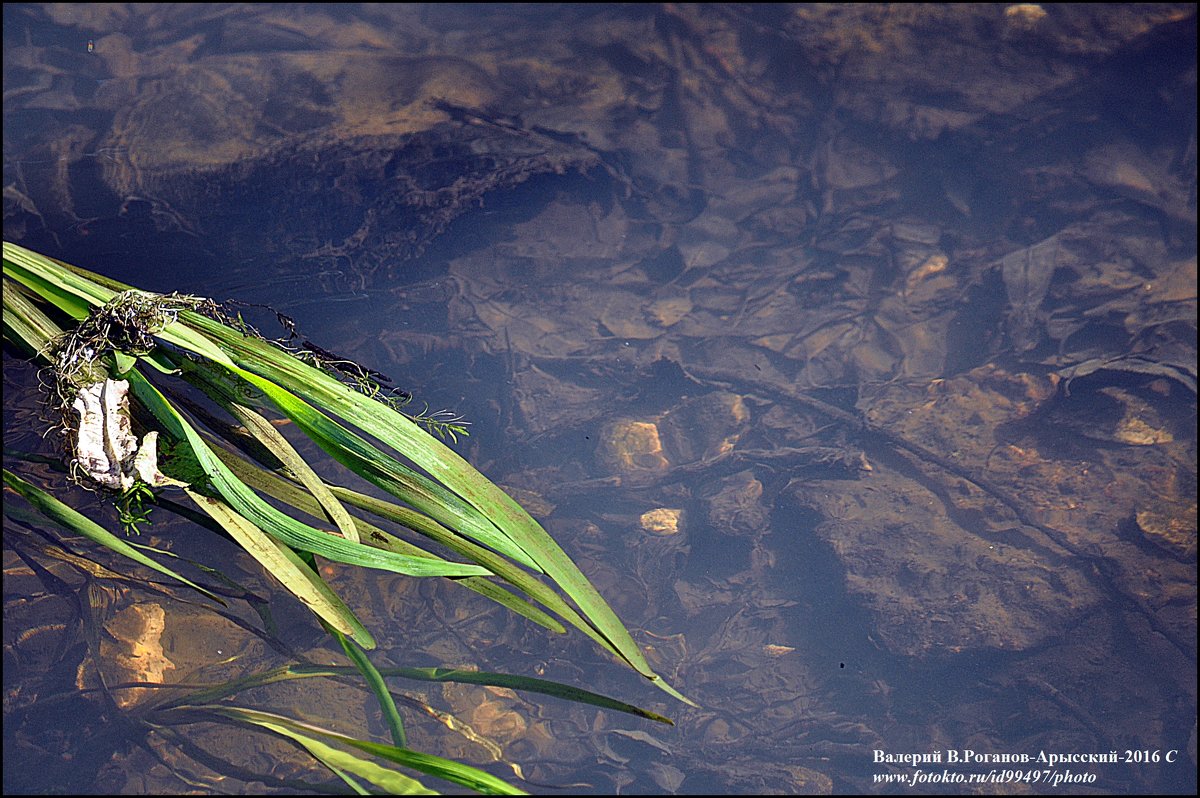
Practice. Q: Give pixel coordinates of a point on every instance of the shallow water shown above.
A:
(891, 312)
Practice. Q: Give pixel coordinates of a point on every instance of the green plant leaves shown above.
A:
(272, 521)
(81, 524)
(448, 499)
(286, 566)
(455, 772)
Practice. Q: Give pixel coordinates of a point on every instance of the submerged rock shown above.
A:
(131, 651)
(628, 446)
(662, 521)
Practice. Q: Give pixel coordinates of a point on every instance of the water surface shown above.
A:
(891, 312)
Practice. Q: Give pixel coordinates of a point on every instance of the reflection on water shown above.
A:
(850, 350)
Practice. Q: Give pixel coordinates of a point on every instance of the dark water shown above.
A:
(893, 311)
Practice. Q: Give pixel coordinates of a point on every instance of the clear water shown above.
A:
(889, 235)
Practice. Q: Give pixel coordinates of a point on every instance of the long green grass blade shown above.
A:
(378, 687)
(440, 462)
(278, 488)
(272, 521)
(360, 456)
(529, 584)
(25, 323)
(280, 372)
(378, 420)
(71, 292)
(208, 695)
(76, 291)
(283, 564)
(464, 775)
(279, 447)
(354, 786)
(525, 684)
(371, 464)
(390, 781)
(77, 522)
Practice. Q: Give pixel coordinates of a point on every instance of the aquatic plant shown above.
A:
(211, 391)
